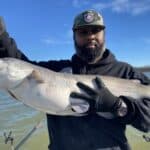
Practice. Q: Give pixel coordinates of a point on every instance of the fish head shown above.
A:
(10, 74)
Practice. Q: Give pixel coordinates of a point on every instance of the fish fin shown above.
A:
(12, 95)
(36, 76)
(33, 76)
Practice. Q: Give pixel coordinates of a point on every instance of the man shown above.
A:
(92, 131)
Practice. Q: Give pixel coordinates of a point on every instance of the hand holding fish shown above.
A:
(100, 100)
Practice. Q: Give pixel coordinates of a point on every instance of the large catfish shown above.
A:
(49, 91)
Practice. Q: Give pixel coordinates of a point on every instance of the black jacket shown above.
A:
(91, 132)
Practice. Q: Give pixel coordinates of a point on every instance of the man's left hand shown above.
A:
(100, 100)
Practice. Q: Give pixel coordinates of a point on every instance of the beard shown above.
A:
(90, 55)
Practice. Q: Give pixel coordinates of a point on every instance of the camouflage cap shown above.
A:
(88, 18)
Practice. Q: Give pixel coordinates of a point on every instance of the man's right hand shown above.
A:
(2, 25)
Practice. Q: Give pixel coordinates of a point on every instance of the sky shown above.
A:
(42, 29)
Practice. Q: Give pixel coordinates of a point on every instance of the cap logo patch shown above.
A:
(88, 17)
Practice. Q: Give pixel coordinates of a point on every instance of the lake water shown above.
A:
(20, 120)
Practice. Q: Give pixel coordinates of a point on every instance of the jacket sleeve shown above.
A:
(138, 109)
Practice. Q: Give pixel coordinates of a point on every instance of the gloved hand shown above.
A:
(100, 100)
(2, 26)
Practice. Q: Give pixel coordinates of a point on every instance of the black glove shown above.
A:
(2, 26)
(101, 100)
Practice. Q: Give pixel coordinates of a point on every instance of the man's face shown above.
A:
(89, 43)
